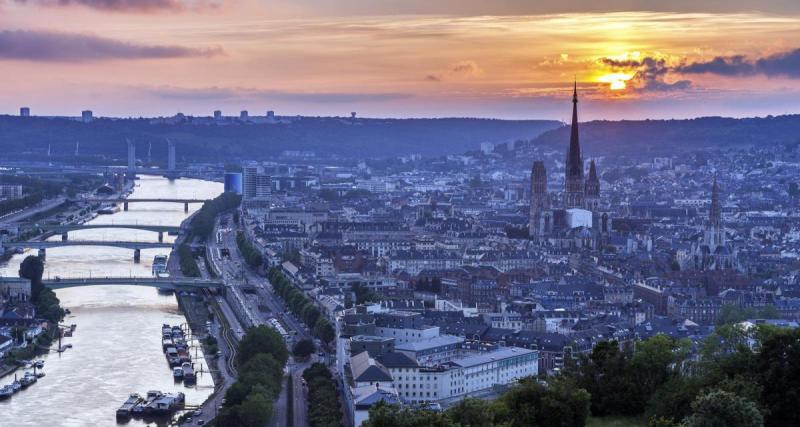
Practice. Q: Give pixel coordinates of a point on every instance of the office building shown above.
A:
(256, 183)
(233, 182)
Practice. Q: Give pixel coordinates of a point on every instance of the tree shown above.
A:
(324, 331)
(323, 400)
(303, 348)
(605, 375)
(730, 314)
(653, 363)
(310, 314)
(672, 402)
(386, 415)
(45, 300)
(722, 409)
(778, 370)
(228, 417)
(255, 411)
(262, 339)
(560, 404)
(236, 393)
(262, 371)
(472, 412)
(32, 268)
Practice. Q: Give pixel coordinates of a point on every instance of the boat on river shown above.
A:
(151, 397)
(165, 404)
(166, 343)
(28, 379)
(126, 410)
(177, 374)
(6, 392)
(188, 373)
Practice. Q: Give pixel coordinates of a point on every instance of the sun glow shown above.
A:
(616, 81)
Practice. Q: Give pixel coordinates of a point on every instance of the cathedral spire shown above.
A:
(573, 170)
(715, 212)
(574, 161)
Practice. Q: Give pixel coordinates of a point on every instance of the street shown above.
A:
(237, 276)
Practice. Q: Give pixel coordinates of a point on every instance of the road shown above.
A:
(223, 331)
(299, 393)
(33, 210)
(237, 275)
(227, 331)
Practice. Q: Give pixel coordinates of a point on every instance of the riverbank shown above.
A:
(42, 344)
(93, 369)
(200, 316)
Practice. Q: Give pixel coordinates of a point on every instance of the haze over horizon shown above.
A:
(510, 60)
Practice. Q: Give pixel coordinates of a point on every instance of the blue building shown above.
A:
(233, 182)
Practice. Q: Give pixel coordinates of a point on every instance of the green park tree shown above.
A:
(723, 409)
(255, 411)
(262, 339)
(32, 268)
(303, 348)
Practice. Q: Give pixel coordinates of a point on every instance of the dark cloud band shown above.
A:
(129, 5)
(786, 64)
(70, 47)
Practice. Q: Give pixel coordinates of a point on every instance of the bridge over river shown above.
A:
(171, 283)
(64, 229)
(43, 245)
(126, 202)
(178, 284)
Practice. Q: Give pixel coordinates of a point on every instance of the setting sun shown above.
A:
(616, 81)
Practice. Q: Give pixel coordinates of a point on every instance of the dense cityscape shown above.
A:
(317, 269)
(417, 283)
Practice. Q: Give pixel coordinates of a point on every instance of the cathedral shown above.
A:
(573, 219)
(712, 251)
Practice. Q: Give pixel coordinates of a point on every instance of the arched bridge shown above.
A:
(126, 202)
(178, 284)
(65, 229)
(110, 243)
(73, 227)
(43, 245)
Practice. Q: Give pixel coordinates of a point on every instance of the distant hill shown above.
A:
(325, 136)
(658, 137)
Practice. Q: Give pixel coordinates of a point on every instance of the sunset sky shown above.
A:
(412, 58)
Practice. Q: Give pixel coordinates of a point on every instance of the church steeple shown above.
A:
(715, 212)
(574, 162)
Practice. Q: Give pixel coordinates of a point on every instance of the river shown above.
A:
(117, 345)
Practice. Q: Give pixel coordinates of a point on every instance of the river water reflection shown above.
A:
(117, 345)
